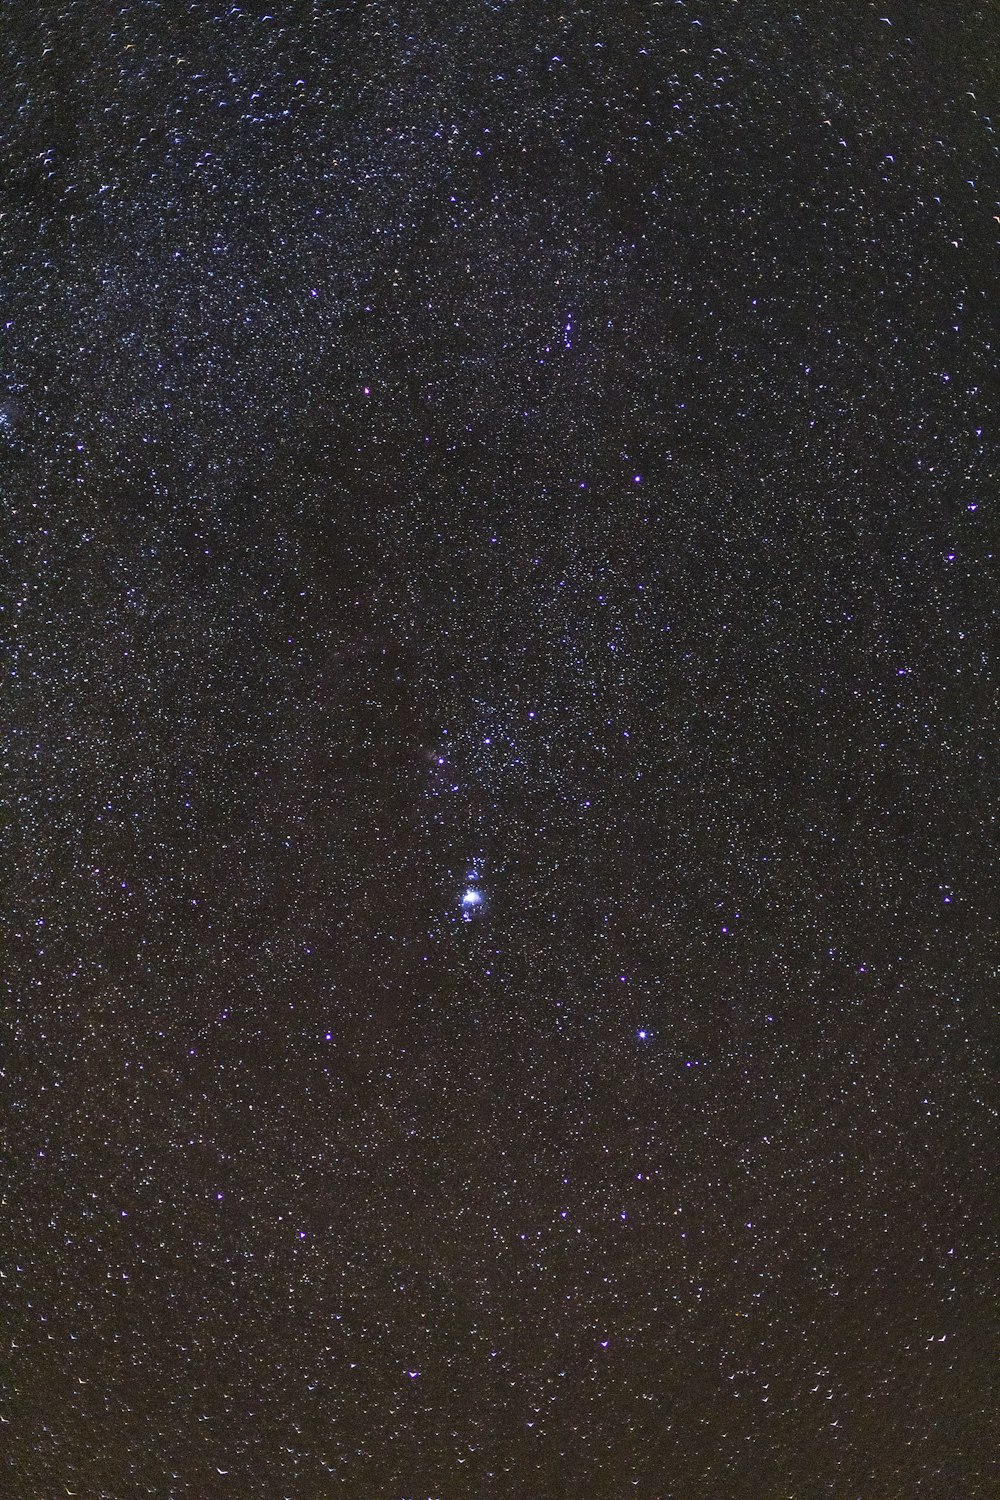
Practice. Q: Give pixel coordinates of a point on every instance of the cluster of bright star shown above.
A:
(472, 898)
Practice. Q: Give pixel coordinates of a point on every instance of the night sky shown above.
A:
(499, 738)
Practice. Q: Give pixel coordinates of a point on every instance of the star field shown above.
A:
(499, 751)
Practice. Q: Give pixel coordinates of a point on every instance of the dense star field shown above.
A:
(499, 730)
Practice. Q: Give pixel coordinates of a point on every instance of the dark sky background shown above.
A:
(500, 750)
